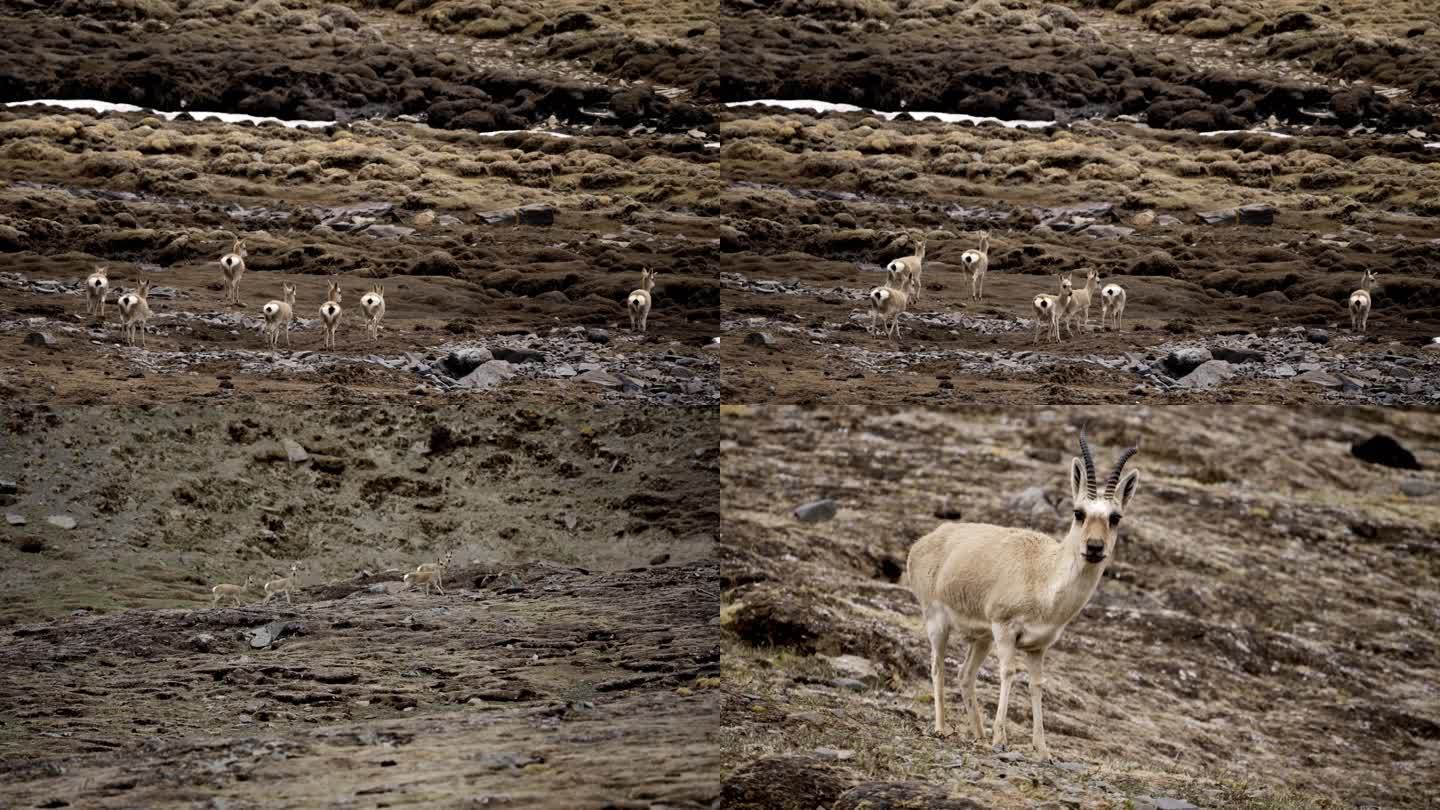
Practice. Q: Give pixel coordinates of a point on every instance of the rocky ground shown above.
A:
(527, 241)
(1236, 184)
(1264, 638)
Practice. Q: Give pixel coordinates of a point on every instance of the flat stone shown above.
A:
(816, 511)
(293, 451)
(1323, 379)
(1207, 375)
(1185, 360)
(601, 378)
(1167, 803)
(62, 521)
(760, 339)
(852, 684)
(9, 488)
(463, 361)
(1319, 336)
(15, 519)
(595, 335)
(1416, 488)
(488, 375)
(43, 340)
(1230, 355)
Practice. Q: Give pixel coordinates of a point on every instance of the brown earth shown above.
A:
(1265, 636)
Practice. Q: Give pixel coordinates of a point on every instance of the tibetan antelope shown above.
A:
(1085, 296)
(426, 578)
(135, 310)
(278, 586)
(887, 303)
(1053, 310)
(97, 286)
(440, 566)
(1112, 305)
(1360, 302)
(330, 313)
(908, 269)
(638, 304)
(233, 266)
(1015, 590)
(977, 261)
(278, 316)
(373, 303)
(223, 591)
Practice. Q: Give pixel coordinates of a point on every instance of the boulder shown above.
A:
(1385, 451)
(1185, 360)
(1207, 375)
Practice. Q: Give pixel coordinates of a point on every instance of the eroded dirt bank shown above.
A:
(1264, 637)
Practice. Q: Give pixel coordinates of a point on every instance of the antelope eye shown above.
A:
(1079, 514)
(1114, 520)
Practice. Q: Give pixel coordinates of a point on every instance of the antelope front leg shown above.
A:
(939, 633)
(1036, 663)
(1005, 650)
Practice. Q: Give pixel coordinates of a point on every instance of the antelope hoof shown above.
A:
(998, 747)
(943, 731)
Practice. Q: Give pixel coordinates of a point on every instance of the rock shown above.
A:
(382, 231)
(834, 753)
(1107, 231)
(1237, 355)
(596, 335)
(1010, 756)
(1033, 501)
(1324, 379)
(15, 519)
(267, 634)
(1208, 375)
(856, 667)
(1385, 451)
(783, 783)
(760, 339)
(62, 521)
(437, 263)
(1154, 263)
(1144, 219)
(1284, 370)
(43, 340)
(9, 488)
(294, 453)
(553, 297)
(488, 375)
(601, 378)
(1319, 336)
(463, 361)
(1185, 360)
(1257, 214)
(519, 355)
(1167, 803)
(202, 642)
(852, 684)
(524, 215)
(816, 511)
(1417, 488)
(901, 796)
(660, 559)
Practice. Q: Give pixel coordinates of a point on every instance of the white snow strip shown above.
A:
(1435, 145)
(811, 105)
(500, 132)
(716, 144)
(107, 106)
(1244, 132)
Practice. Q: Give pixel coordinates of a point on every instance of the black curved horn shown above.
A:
(1114, 479)
(1089, 465)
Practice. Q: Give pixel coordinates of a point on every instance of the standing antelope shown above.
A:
(1015, 590)
(1052, 310)
(887, 303)
(977, 262)
(426, 578)
(224, 591)
(134, 309)
(233, 265)
(276, 586)
(330, 313)
(373, 303)
(278, 316)
(1112, 305)
(440, 566)
(1360, 302)
(97, 286)
(639, 301)
(908, 269)
(1085, 296)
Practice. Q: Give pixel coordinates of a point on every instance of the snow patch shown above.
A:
(108, 106)
(812, 105)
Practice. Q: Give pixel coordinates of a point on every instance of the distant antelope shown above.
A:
(135, 310)
(278, 316)
(330, 313)
(233, 265)
(977, 262)
(1112, 305)
(908, 269)
(1360, 302)
(373, 303)
(97, 286)
(426, 578)
(889, 302)
(1052, 310)
(440, 566)
(1015, 590)
(224, 591)
(638, 304)
(278, 586)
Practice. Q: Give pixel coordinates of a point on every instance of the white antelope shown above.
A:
(330, 313)
(977, 262)
(1112, 305)
(1053, 310)
(907, 269)
(1015, 590)
(638, 304)
(1360, 302)
(278, 586)
(278, 316)
(887, 303)
(135, 311)
(1085, 296)
(232, 264)
(373, 303)
(97, 286)
(223, 591)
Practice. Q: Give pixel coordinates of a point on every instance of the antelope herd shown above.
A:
(427, 574)
(1070, 305)
(277, 316)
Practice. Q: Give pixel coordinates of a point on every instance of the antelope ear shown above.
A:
(1077, 479)
(1126, 490)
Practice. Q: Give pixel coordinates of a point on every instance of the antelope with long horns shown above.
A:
(1015, 590)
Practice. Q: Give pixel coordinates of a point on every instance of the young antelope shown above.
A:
(330, 313)
(1014, 590)
(278, 586)
(134, 311)
(97, 286)
(1112, 305)
(1360, 302)
(907, 269)
(426, 578)
(224, 591)
(977, 262)
(638, 304)
(232, 264)
(278, 316)
(373, 303)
